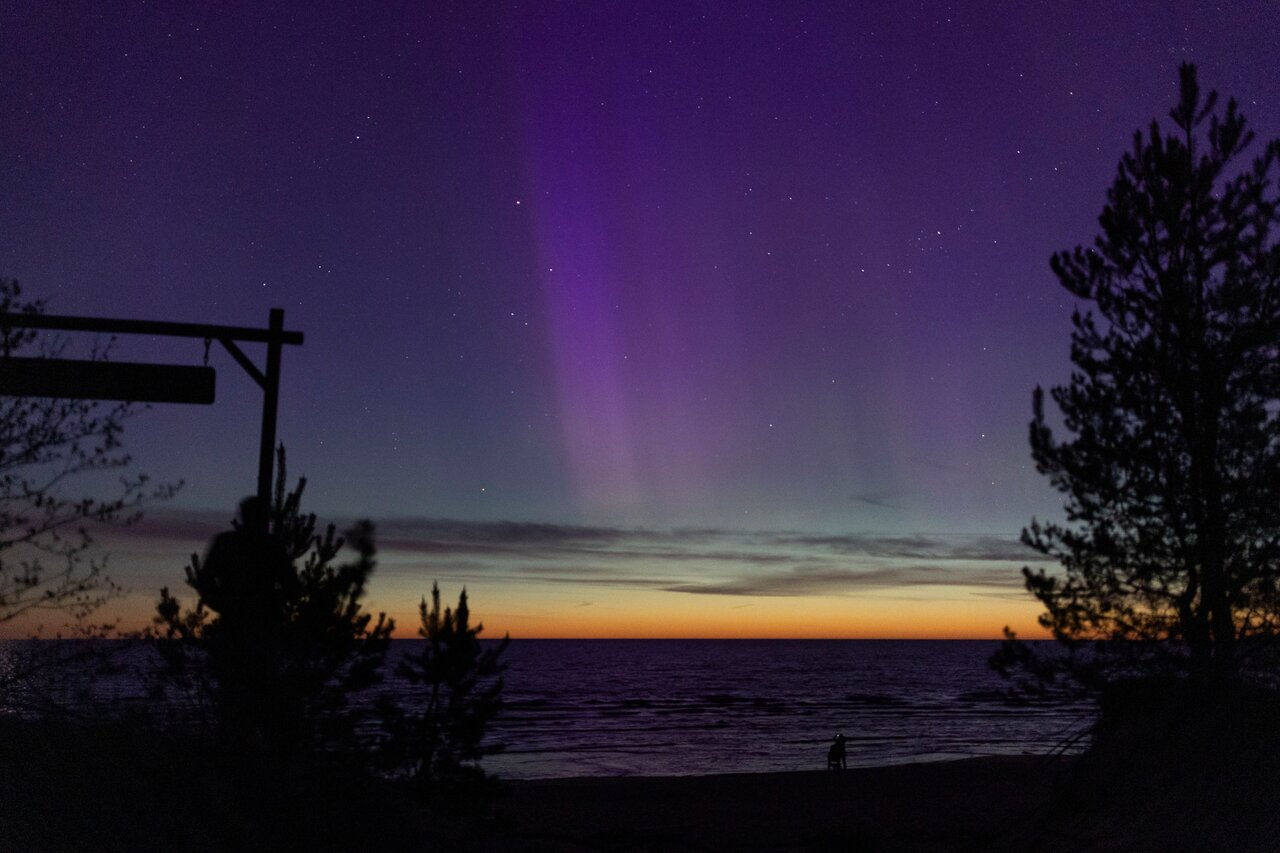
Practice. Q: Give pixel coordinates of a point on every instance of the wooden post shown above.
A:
(270, 400)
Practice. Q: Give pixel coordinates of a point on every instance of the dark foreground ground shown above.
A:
(107, 789)
(960, 805)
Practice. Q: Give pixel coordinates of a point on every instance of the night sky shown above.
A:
(653, 319)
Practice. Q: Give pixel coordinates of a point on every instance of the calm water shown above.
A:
(676, 707)
(659, 707)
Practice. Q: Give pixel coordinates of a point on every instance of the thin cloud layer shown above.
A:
(804, 580)
(705, 561)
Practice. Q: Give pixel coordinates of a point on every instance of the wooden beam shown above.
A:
(147, 327)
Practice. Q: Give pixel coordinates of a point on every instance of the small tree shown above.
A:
(1171, 471)
(441, 737)
(46, 561)
(285, 675)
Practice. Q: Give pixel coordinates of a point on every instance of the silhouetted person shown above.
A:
(247, 577)
(835, 755)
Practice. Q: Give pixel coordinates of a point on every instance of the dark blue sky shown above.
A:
(743, 266)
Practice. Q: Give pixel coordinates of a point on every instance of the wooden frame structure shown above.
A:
(35, 377)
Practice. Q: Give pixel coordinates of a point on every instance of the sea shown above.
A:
(680, 707)
(686, 707)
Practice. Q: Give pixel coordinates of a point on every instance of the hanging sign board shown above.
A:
(106, 380)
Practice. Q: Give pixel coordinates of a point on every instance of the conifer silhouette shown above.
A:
(1171, 465)
(322, 648)
(438, 733)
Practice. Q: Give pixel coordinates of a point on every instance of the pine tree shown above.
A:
(437, 732)
(1171, 469)
(289, 685)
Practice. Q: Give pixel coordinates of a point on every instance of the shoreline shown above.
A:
(910, 762)
(962, 804)
(128, 789)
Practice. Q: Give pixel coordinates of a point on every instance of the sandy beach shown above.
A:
(958, 805)
(124, 792)
(69, 790)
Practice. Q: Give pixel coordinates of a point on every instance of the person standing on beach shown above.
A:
(835, 755)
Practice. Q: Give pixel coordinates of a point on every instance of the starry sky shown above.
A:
(651, 319)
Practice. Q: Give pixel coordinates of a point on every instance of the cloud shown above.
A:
(168, 525)
(936, 547)
(710, 544)
(585, 576)
(435, 536)
(876, 499)
(809, 580)
(508, 538)
(501, 532)
(694, 561)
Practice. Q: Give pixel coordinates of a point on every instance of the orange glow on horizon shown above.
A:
(693, 617)
(534, 612)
